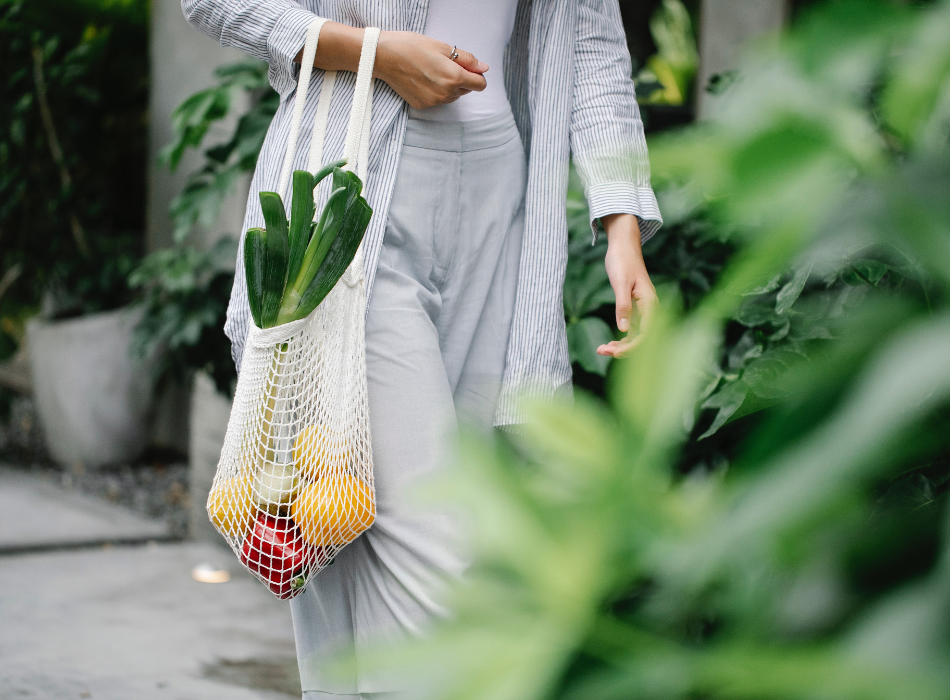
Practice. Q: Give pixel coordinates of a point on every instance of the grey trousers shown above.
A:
(436, 336)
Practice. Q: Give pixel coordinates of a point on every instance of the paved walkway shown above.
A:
(128, 622)
(35, 514)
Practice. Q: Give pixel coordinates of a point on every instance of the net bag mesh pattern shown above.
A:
(295, 481)
(294, 484)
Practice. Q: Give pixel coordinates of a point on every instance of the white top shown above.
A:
(482, 27)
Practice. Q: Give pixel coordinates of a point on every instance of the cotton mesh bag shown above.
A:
(294, 484)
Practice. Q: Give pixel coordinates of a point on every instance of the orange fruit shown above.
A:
(320, 451)
(231, 504)
(334, 510)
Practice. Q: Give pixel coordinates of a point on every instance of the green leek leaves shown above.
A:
(291, 266)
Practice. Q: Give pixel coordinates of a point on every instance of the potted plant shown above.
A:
(72, 193)
(93, 397)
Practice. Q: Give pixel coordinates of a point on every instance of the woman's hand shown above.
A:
(417, 67)
(629, 278)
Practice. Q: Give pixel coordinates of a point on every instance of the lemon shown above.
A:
(231, 504)
(334, 510)
(320, 451)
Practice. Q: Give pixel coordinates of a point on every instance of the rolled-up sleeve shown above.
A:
(271, 30)
(607, 141)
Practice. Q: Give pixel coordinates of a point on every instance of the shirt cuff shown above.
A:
(624, 198)
(283, 44)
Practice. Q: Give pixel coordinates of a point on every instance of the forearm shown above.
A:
(338, 49)
(419, 68)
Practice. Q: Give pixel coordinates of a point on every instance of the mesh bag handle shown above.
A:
(356, 148)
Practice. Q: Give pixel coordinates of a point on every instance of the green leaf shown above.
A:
(658, 383)
(321, 239)
(577, 446)
(728, 400)
(758, 312)
(763, 375)
(908, 378)
(583, 338)
(872, 271)
(302, 210)
(275, 272)
(341, 246)
(201, 199)
(191, 121)
(747, 348)
(792, 289)
(769, 286)
(587, 290)
(255, 264)
(921, 77)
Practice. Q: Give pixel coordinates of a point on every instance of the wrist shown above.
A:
(621, 228)
(384, 56)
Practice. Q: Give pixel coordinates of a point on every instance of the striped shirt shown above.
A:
(567, 74)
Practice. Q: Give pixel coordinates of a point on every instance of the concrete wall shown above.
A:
(182, 63)
(725, 27)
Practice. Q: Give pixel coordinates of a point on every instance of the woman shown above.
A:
(465, 255)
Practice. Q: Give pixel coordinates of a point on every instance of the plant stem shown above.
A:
(46, 116)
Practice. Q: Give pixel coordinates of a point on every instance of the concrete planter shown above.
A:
(93, 398)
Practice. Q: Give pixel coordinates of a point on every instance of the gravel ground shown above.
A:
(151, 488)
(21, 436)
(156, 486)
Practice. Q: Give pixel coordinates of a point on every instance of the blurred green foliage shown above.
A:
(73, 100)
(667, 77)
(184, 293)
(813, 560)
(781, 319)
(208, 186)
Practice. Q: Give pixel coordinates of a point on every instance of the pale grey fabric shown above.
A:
(436, 334)
(567, 76)
(316, 695)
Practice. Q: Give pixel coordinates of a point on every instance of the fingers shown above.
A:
(421, 71)
(470, 63)
(619, 348)
(623, 291)
(627, 294)
(646, 305)
(470, 78)
(471, 82)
